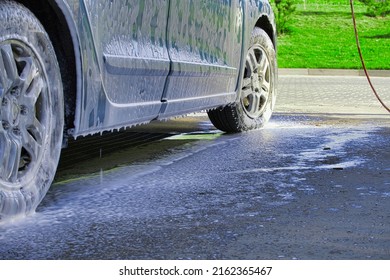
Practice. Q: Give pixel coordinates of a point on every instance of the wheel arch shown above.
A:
(65, 44)
(264, 23)
(259, 13)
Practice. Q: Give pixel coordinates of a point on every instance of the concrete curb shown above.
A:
(332, 72)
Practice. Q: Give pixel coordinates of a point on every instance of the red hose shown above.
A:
(362, 60)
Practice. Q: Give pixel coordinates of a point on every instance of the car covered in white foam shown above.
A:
(70, 68)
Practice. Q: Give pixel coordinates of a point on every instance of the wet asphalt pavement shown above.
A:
(313, 184)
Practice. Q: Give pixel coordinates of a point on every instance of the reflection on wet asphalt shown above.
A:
(306, 187)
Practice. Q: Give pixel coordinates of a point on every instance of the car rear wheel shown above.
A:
(31, 112)
(257, 92)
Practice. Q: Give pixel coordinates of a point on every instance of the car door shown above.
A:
(130, 41)
(204, 45)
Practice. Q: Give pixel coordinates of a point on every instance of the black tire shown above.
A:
(257, 92)
(31, 112)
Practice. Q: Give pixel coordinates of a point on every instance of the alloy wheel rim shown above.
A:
(257, 83)
(24, 113)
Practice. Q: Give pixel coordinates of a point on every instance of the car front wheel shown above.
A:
(257, 93)
(31, 112)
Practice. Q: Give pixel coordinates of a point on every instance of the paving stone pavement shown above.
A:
(346, 95)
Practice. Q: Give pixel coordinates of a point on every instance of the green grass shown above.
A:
(321, 35)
